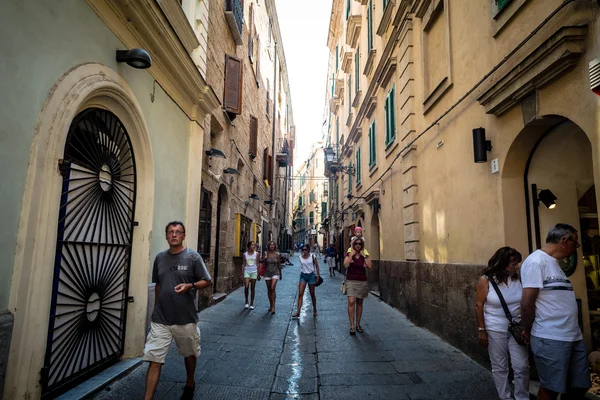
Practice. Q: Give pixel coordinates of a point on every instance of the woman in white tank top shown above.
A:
(493, 324)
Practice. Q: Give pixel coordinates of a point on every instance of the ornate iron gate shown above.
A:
(86, 331)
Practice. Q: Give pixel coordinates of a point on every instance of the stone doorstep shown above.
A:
(218, 297)
(102, 379)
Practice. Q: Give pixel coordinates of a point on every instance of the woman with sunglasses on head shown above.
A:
(272, 259)
(309, 267)
(250, 270)
(357, 286)
(494, 334)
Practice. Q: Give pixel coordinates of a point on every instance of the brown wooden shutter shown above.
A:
(265, 163)
(253, 136)
(233, 85)
(270, 169)
(258, 61)
(251, 34)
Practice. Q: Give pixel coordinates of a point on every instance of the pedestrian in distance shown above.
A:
(494, 333)
(550, 317)
(177, 273)
(330, 256)
(309, 267)
(273, 273)
(357, 287)
(250, 270)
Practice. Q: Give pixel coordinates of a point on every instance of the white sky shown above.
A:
(304, 26)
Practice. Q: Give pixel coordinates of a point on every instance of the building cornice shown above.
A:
(142, 23)
(334, 24)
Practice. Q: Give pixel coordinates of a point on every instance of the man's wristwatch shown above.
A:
(481, 329)
(193, 287)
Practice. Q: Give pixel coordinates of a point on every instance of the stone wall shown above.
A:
(438, 297)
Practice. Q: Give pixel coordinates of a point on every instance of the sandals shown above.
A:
(352, 331)
(359, 329)
(295, 316)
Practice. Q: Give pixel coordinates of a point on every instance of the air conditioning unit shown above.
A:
(595, 76)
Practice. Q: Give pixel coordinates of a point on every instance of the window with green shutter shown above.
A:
(372, 144)
(390, 116)
(349, 95)
(501, 4)
(337, 195)
(337, 57)
(350, 182)
(311, 218)
(348, 2)
(370, 25)
(358, 170)
(385, 3)
(357, 69)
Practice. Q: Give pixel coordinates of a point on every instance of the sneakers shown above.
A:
(188, 393)
(246, 306)
(252, 307)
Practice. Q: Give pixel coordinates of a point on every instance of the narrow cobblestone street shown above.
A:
(256, 355)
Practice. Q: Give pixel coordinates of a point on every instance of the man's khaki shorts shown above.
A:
(187, 339)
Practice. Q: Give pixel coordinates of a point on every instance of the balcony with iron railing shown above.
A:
(283, 152)
(234, 12)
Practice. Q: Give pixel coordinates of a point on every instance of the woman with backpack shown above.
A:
(272, 260)
(309, 267)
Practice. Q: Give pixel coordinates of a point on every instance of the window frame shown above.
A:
(372, 145)
(390, 116)
(358, 169)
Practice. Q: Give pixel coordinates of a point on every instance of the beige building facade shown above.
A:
(411, 84)
(310, 200)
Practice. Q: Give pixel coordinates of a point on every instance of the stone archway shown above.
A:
(555, 154)
(85, 86)
(221, 238)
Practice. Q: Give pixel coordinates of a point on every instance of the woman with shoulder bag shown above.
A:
(273, 274)
(498, 309)
(356, 284)
(309, 267)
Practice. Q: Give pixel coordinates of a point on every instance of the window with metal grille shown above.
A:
(204, 223)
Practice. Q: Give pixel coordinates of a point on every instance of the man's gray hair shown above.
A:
(559, 231)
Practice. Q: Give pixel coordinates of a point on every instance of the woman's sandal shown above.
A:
(352, 331)
(359, 329)
(295, 316)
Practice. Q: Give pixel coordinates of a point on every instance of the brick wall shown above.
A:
(438, 297)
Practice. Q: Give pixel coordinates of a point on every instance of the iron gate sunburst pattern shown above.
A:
(89, 297)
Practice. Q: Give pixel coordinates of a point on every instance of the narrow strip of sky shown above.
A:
(304, 26)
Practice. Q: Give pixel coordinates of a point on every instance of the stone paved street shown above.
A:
(256, 355)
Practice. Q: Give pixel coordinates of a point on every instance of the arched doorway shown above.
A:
(88, 306)
(554, 154)
(221, 235)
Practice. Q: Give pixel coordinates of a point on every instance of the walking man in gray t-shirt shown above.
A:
(178, 273)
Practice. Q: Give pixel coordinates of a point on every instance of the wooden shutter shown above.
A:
(251, 34)
(258, 79)
(253, 136)
(233, 85)
(270, 169)
(265, 164)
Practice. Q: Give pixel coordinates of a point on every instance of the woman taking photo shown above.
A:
(493, 323)
(309, 267)
(272, 259)
(357, 287)
(250, 272)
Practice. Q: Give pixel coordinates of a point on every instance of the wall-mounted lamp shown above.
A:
(269, 202)
(547, 197)
(349, 196)
(212, 152)
(480, 145)
(254, 196)
(136, 58)
(335, 166)
(231, 170)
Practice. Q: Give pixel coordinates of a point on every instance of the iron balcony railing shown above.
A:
(235, 18)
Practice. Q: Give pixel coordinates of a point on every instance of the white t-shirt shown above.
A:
(250, 262)
(493, 313)
(307, 265)
(555, 308)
